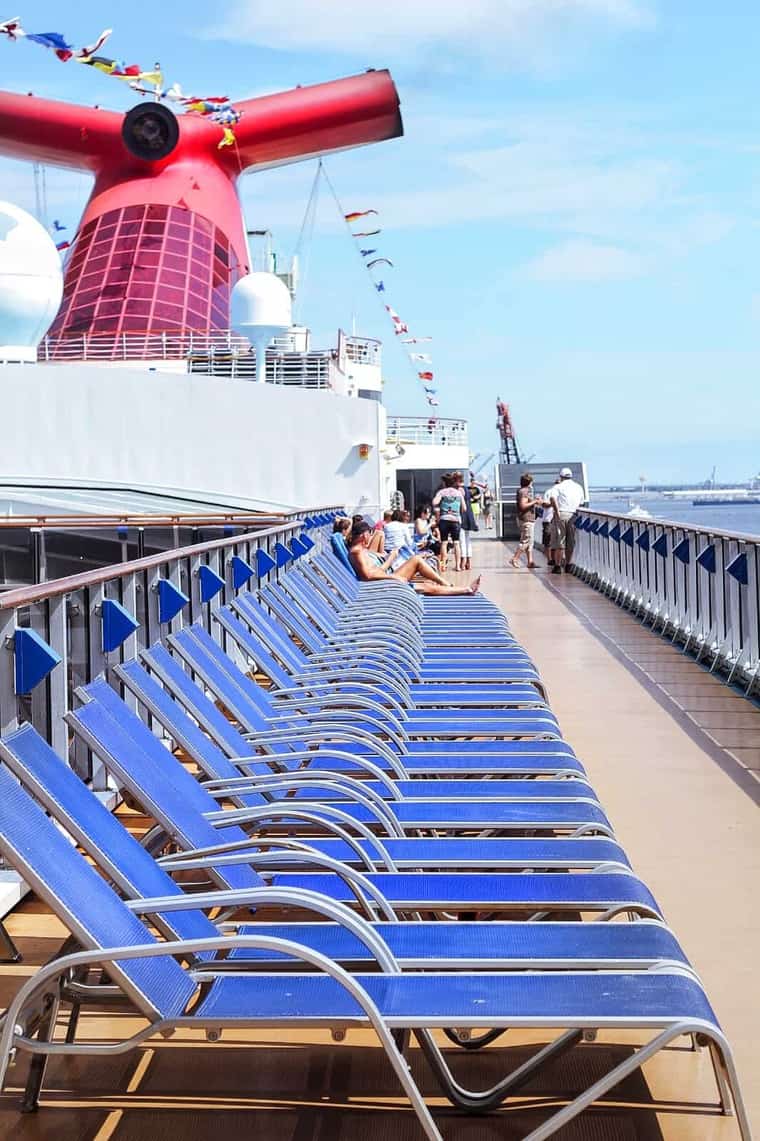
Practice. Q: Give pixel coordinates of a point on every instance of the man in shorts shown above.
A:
(566, 497)
(526, 517)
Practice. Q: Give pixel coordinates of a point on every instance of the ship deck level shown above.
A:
(675, 758)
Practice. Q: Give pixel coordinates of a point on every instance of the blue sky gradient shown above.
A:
(573, 212)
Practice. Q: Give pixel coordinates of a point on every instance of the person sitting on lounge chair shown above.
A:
(370, 567)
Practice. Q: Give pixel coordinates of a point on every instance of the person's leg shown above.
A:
(530, 529)
(377, 543)
(546, 539)
(433, 588)
(523, 546)
(444, 533)
(417, 566)
(558, 542)
(465, 540)
(559, 554)
(569, 543)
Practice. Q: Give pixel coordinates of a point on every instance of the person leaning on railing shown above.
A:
(566, 497)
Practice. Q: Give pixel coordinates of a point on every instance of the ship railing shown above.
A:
(426, 431)
(139, 346)
(68, 631)
(305, 370)
(696, 585)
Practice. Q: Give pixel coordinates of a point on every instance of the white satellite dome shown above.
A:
(31, 283)
(260, 308)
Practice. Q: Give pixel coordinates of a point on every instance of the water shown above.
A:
(743, 520)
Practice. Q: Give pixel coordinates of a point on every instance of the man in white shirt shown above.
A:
(566, 497)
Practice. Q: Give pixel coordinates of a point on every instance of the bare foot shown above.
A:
(475, 585)
(513, 564)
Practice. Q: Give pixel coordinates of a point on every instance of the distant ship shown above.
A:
(732, 498)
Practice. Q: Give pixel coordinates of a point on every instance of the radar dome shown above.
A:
(260, 308)
(31, 283)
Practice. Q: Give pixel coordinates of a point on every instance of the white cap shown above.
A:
(565, 473)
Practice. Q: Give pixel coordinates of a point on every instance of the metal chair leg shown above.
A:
(12, 953)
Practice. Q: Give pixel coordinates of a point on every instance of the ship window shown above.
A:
(175, 246)
(137, 307)
(172, 261)
(168, 312)
(173, 278)
(141, 289)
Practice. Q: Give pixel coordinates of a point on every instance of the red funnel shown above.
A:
(162, 240)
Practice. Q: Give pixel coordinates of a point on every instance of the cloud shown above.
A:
(512, 31)
(580, 260)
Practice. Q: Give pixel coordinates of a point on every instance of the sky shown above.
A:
(573, 212)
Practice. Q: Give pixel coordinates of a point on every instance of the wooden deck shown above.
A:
(679, 792)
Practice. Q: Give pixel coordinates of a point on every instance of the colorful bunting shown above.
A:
(11, 28)
(398, 325)
(216, 108)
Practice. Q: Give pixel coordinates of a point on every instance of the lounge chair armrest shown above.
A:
(238, 851)
(374, 703)
(270, 782)
(295, 719)
(330, 682)
(309, 755)
(347, 787)
(314, 814)
(337, 754)
(373, 804)
(333, 731)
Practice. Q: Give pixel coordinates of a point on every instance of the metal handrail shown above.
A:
(698, 585)
(67, 615)
(92, 522)
(26, 595)
(655, 520)
(426, 430)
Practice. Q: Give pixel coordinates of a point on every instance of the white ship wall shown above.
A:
(216, 440)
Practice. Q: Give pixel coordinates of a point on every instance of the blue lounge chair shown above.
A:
(217, 767)
(418, 759)
(169, 996)
(363, 803)
(189, 814)
(282, 669)
(411, 852)
(252, 707)
(577, 946)
(422, 664)
(275, 636)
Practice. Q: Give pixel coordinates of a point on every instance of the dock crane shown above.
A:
(509, 452)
